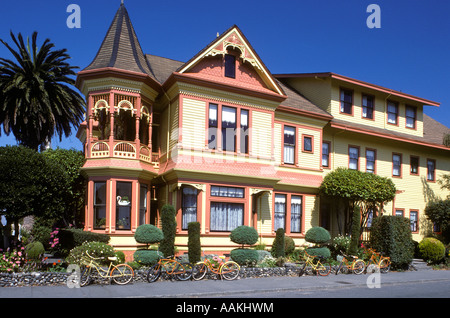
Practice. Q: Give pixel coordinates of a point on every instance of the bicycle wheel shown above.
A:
(385, 265)
(199, 271)
(122, 274)
(341, 269)
(229, 270)
(358, 267)
(324, 269)
(85, 276)
(153, 273)
(183, 271)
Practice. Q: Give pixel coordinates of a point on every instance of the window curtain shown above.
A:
(226, 216)
(296, 213)
(280, 212)
(189, 206)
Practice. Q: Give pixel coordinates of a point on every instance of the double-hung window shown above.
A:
(212, 126)
(123, 205)
(99, 205)
(396, 165)
(431, 169)
(370, 160)
(326, 154)
(414, 165)
(228, 128)
(289, 145)
(307, 144)
(143, 203)
(346, 101)
(353, 160)
(392, 112)
(279, 212)
(228, 214)
(188, 206)
(244, 131)
(413, 218)
(367, 106)
(296, 214)
(410, 115)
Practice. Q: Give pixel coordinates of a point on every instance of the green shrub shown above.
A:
(356, 227)
(262, 254)
(244, 235)
(278, 245)
(148, 234)
(289, 245)
(120, 257)
(95, 249)
(432, 250)
(147, 257)
(317, 235)
(319, 251)
(194, 247)
(392, 236)
(169, 228)
(70, 238)
(245, 256)
(34, 250)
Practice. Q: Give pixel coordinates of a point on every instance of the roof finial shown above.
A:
(121, 2)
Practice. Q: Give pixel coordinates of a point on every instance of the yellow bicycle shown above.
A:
(227, 270)
(121, 274)
(315, 264)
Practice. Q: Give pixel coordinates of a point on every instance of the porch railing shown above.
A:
(124, 149)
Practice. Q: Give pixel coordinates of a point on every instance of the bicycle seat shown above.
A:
(112, 258)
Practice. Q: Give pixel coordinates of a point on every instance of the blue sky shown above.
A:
(409, 53)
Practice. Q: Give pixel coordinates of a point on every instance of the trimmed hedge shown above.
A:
(432, 250)
(70, 238)
(148, 234)
(169, 228)
(147, 257)
(35, 250)
(245, 256)
(319, 251)
(244, 235)
(392, 235)
(194, 247)
(317, 235)
(95, 249)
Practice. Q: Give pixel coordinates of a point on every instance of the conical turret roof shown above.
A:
(120, 48)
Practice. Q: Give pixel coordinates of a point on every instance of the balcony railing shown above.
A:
(124, 149)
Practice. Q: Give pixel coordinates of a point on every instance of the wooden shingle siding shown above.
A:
(193, 123)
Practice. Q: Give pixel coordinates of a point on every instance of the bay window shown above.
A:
(123, 205)
(143, 203)
(279, 220)
(188, 206)
(226, 208)
(99, 205)
(296, 214)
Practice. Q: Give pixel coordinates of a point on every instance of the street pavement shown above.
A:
(223, 289)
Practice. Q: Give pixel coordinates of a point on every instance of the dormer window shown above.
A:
(230, 66)
(346, 101)
(410, 115)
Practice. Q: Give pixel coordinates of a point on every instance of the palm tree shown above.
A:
(36, 98)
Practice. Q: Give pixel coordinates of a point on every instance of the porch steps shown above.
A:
(419, 264)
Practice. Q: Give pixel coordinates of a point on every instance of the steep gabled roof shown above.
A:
(233, 37)
(120, 48)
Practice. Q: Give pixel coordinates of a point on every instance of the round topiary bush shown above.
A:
(148, 234)
(244, 256)
(147, 257)
(244, 235)
(34, 250)
(431, 250)
(319, 251)
(317, 235)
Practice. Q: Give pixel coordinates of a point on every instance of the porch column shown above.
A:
(137, 117)
(111, 123)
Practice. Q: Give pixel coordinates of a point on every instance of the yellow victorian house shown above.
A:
(227, 143)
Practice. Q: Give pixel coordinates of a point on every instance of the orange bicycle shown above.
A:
(356, 266)
(377, 259)
(227, 270)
